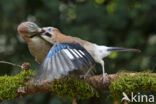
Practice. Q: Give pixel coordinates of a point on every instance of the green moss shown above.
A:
(10, 84)
(72, 87)
(126, 82)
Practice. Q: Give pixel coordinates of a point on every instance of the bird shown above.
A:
(59, 54)
(72, 53)
(38, 46)
(28, 31)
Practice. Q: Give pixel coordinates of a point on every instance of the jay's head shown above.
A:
(29, 30)
(50, 33)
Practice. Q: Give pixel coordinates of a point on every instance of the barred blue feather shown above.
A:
(62, 59)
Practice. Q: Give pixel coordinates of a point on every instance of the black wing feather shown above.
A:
(62, 59)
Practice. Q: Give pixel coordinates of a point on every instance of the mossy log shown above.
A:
(19, 85)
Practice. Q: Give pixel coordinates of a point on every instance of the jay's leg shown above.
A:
(103, 69)
(104, 75)
(86, 74)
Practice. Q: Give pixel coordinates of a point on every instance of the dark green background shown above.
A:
(126, 23)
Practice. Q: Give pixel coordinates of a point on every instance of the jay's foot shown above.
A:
(105, 78)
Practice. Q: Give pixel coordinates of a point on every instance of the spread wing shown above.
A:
(62, 59)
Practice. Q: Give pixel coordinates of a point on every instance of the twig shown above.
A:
(9, 63)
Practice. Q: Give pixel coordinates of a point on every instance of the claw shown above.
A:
(105, 78)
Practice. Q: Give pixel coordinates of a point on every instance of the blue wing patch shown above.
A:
(63, 58)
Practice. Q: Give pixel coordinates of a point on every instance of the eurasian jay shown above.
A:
(67, 54)
(38, 47)
(72, 53)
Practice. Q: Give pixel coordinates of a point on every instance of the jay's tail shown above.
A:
(120, 49)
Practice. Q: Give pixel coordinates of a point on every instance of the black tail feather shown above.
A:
(120, 49)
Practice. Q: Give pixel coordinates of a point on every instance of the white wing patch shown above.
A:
(74, 53)
(78, 53)
(81, 52)
(68, 53)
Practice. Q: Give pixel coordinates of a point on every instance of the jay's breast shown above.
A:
(39, 49)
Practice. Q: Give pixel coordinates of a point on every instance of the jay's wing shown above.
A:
(62, 59)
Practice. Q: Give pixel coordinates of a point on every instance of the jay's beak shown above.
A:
(39, 32)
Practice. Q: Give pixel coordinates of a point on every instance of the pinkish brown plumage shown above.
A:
(37, 46)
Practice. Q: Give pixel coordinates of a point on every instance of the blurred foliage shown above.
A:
(126, 23)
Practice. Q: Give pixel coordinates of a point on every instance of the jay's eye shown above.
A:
(49, 29)
(48, 34)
